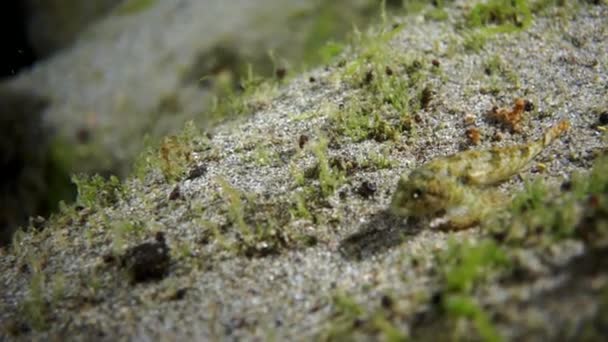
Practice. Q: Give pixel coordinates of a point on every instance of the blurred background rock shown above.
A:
(55, 24)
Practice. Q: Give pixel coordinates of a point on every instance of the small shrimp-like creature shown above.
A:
(455, 189)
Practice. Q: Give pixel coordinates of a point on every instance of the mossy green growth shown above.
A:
(538, 217)
(35, 308)
(357, 123)
(466, 265)
(261, 228)
(264, 155)
(351, 321)
(96, 191)
(386, 75)
(495, 16)
(475, 40)
(319, 36)
(254, 92)
(346, 313)
(329, 51)
(435, 12)
(329, 178)
(174, 155)
(542, 214)
(236, 211)
(124, 230)
(591, 193)
(465, 307)
(378, 161)
(416, 6)
(300, 208)
(500, 15)
(390, 87)
(596, 183)
(64, 157)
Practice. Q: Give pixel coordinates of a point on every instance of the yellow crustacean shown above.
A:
(454, 189)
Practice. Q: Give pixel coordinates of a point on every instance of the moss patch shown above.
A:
(501, 15)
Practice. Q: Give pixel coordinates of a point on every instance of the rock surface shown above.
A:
(276, 239)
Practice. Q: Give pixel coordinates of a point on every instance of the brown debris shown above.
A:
(511, 117)
(197, 171)
(175, 193)
(147, 261)
(474, 135)
(281, 73)
(303, 140)
(369, 77)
